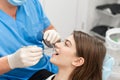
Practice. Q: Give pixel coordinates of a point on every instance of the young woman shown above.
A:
(79, 57)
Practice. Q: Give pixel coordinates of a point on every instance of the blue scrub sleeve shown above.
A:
(46, 22)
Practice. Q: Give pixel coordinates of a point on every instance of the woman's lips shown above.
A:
(55, 54)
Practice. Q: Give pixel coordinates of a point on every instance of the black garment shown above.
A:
(115, 8)
(101, 29)
(41, 75)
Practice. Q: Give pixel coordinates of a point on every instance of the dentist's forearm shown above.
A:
(50, 27)
(4, 66)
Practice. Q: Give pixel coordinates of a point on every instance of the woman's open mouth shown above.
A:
(56, 54)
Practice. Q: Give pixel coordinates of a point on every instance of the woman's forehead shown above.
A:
(71, 39)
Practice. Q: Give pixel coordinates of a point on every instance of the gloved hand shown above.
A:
(24, 57)
(51, 37)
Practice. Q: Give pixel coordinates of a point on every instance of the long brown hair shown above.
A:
(93, 51)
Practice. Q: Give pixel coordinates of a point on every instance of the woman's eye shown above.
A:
(65, 43)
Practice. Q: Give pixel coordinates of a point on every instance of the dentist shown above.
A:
(23, 26)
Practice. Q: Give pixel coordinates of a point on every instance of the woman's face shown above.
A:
(65, 53)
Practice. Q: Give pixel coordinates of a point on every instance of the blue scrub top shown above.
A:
(26, 30)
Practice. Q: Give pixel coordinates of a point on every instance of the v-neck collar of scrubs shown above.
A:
(5, 18)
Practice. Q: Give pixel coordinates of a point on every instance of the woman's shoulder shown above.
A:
(41, 75)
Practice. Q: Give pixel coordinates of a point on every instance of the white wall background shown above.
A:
(62, 14)
(68, 15)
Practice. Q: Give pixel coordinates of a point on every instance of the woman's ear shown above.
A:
(78, 61)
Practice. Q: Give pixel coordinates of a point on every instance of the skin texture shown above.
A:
(4, 67)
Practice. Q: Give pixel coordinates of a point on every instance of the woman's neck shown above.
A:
(8, 8)
(63, 74)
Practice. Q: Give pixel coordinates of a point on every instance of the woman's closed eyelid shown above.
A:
(65, 42)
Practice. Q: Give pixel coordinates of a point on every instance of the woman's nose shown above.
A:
(57, 45)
